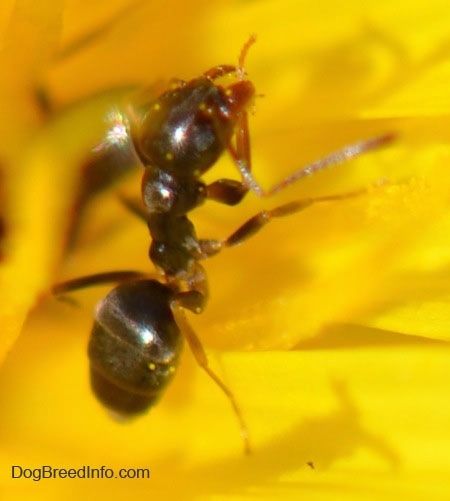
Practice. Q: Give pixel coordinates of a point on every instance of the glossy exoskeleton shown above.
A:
(139, 326)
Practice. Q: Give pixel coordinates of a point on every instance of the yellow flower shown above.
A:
(330, 326)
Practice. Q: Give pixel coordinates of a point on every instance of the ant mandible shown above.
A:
(138, 332)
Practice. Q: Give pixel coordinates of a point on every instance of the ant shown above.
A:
(138, 332)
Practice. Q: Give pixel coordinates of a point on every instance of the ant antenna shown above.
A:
(240, 72)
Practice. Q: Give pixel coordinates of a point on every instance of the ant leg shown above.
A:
(135, 206)
(344, 154)
(253, 225)
(196, 347)
(226, 191)
(96, 279)
(259, 220)
(243, 140)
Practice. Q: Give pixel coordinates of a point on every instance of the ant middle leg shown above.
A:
(226, 191)
(96, 279)
(261, 219)
(178, 305)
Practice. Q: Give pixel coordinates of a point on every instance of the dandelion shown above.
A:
(329, 326)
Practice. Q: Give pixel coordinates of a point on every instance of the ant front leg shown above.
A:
(242, 162)
(229, 191)
(180, 302)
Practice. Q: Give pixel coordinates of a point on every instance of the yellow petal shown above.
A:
(358, 412)
(29, 41)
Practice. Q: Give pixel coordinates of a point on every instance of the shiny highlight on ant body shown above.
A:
(139, 327)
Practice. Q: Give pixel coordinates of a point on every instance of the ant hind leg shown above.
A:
(202, 360)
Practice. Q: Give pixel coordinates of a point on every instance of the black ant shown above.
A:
(136, 340)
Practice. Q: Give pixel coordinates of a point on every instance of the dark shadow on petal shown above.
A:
(355, 336)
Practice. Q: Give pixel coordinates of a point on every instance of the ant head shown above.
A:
(240, 94)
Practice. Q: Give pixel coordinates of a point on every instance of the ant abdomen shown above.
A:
(134, 346)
